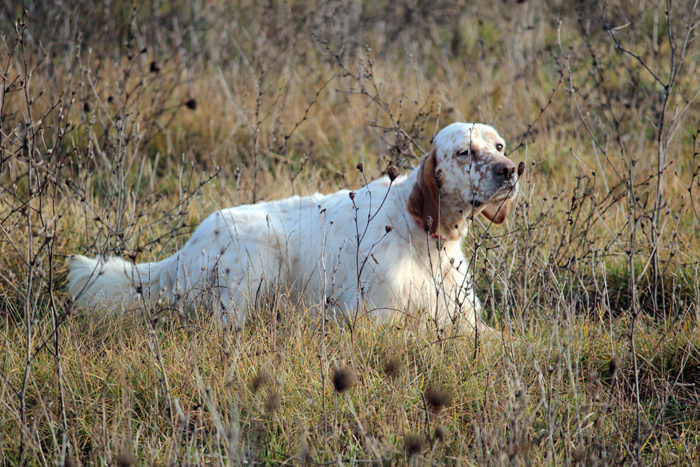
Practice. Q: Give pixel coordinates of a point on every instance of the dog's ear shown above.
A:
(423, 202)
(497, 212)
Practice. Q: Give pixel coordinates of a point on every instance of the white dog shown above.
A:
(393, 246)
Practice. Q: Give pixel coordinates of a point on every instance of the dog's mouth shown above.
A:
(507, 191)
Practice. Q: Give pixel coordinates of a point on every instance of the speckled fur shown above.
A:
(308, 246)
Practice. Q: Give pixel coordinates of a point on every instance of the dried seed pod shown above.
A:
(392, 367)
(343, 379)
(260, 380)
(272, 402)
(393, 172)
(437, 398)
(440, 433)
(413, 444)
(125, 459)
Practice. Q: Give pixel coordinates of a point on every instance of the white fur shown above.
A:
(308, 247)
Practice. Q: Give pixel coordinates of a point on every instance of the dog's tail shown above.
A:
(112, 283)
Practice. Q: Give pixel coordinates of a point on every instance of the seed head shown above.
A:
(191, 104)
(388, 228)
(413, 444)
(521, 168)
(343, 379)
(155, 68)
(360, 167)
(125, 459)
(437, 398)
(272, 402)
(440, 433)
(351, 195)
(260, 380)
(392, 367)
(427, 223)
(392, 171)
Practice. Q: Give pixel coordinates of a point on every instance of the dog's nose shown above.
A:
(505, 169)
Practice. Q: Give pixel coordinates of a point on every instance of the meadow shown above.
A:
(124, 124)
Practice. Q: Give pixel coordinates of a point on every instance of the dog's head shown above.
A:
(464, 172)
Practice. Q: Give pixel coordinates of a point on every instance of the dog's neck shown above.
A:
(451, 227)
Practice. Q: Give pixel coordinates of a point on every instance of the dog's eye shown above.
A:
(499, 147)
(464, 153)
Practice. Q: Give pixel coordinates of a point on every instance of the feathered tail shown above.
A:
(113, 283)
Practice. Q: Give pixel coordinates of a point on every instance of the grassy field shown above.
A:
(123, 125)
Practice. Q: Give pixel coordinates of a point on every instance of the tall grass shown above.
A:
(123, 125)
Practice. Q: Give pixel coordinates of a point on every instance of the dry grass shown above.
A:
(121, 129)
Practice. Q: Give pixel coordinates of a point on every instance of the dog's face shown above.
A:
(471, 155)
(465, 172)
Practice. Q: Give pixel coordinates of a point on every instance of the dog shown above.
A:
(391, 248)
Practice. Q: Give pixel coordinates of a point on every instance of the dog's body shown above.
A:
(390, 246)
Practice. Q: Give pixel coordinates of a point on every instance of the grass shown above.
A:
(121, 129)
(507, 401)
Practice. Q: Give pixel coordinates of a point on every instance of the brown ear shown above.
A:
(497, 212)
(423, 200)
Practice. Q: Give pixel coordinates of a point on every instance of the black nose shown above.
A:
(505, 169)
